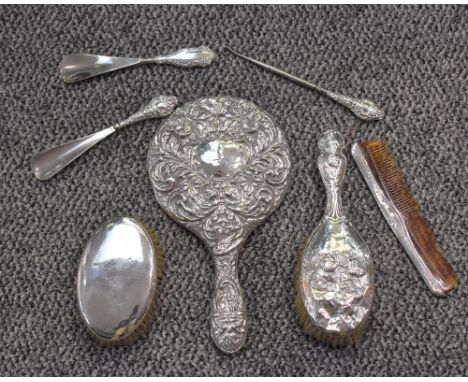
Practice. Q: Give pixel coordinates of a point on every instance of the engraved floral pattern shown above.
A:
(220, 203)
(337, 276)
(229, 323)
(221, 211)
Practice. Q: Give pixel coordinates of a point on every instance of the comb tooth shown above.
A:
(381, 172)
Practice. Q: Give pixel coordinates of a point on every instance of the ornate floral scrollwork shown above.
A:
(229, 316)
(220, 166)
(222, 211)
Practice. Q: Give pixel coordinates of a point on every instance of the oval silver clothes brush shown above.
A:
(47, 163)
(362, 108)
(118, 281)
(335, 273)
(78, 67)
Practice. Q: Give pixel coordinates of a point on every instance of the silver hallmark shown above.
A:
(336, 274)
(220, 166)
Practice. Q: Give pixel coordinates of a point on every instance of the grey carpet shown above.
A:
(412, 60)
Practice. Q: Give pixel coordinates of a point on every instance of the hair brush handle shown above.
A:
(332, 167)
(228, 314)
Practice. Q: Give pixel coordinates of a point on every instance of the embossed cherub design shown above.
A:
(336, 278)
(338, 283)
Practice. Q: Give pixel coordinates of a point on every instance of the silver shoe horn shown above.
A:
(47, 163)
(78, 67)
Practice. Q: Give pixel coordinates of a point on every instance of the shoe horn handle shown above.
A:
(201, 56)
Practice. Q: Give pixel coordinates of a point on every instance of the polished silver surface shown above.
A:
(362, 108)
(336, 273)
(47, 163)
(220, 166)
(221, 158)
(78, 67)
(116, 280)
(397, 223)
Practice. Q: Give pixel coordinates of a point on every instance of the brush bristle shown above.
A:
(159, 255)
(330, 338)
(145, 324)
(387, 174)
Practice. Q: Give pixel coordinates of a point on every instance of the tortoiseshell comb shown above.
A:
(402, 212)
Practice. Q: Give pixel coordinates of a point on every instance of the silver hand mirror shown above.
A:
(219, 167)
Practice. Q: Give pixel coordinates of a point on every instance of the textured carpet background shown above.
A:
(411, 60)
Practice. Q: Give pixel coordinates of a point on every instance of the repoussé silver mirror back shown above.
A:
(220, 166)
